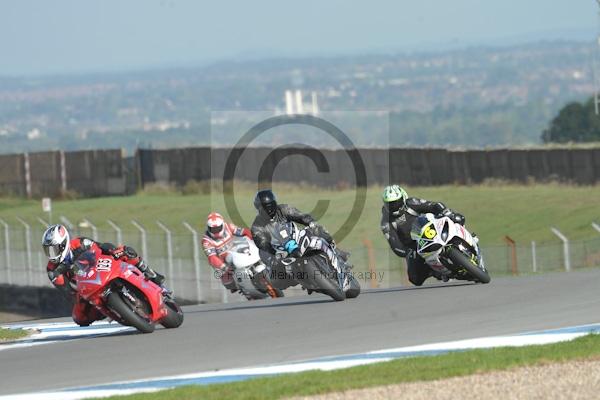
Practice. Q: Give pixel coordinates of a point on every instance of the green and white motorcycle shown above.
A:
(449, 248)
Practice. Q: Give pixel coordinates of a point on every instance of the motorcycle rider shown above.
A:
(62, 252)
(398, 214)
(270, 212)
(217, 241)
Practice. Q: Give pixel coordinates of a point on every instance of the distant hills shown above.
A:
(480, 96)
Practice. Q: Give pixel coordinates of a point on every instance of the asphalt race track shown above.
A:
(274, 331)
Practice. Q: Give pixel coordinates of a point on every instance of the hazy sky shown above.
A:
(64, 36)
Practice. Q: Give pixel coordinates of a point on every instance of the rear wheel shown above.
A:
(124, 309)
(318, 272)
(461, 260)
(174, 317)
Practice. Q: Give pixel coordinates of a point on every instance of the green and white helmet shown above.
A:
(394, 198)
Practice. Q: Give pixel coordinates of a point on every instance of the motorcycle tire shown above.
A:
(354, 290)
(174, 318)
(458, 258)
(127, 315)
(317, 271)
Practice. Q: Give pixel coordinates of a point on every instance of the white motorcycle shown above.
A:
(449, 248)
(250, 274)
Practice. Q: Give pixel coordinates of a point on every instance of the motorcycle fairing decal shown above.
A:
(96, 281)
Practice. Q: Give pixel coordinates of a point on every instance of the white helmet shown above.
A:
(215, 225)
(56, 243)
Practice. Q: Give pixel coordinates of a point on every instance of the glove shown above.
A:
(458, 218)
(56, 275)
(56, 279)
(319, 230)
(454, 216)
(292, 248)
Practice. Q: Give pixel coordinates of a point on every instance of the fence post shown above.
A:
(27, 249)
(7, 250)
(224, 295)
(92, 227)
(169, 253)
(513, 250)
(565, 248)
(118, 231)
(27, 174)
(63, 173)
(371, 255)
(533, 256)
(142, 237)
(196, 260)
(44, 223)
(66, 223)
(596, 226)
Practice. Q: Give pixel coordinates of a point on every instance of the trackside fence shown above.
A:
(178, 254)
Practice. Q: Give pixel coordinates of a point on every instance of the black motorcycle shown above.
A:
(309, 260)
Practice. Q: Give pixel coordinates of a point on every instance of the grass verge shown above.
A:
(7, 335)
(387, 373)
(522, 212)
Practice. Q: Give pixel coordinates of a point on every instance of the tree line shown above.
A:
(575, 122)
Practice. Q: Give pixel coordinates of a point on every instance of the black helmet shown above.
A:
(266, 201)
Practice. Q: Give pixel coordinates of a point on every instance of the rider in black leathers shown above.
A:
(398, 214)
(269, 212)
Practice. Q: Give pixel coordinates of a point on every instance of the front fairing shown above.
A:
(243, 253)
(430, 234)
(95, 273)
(281, 233)
(91, 272)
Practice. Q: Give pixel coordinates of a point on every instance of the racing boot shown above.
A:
(150, 274)
(440, 276)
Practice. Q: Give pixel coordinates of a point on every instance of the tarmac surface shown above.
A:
(303, 327)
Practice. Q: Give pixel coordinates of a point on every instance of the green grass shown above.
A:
(523, 212)
(7, 335)
(387, 373)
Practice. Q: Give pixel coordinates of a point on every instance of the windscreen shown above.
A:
(417, 226)
(281, 233)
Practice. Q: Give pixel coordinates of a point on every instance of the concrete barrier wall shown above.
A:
(107, 172)
(38, 302)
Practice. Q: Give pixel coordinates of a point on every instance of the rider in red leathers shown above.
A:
(62, 252)
(217, 241)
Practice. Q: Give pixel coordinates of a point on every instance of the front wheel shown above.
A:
(127, 315)
(318, 271)
(174, 317)
(354, 288)
(462, 261)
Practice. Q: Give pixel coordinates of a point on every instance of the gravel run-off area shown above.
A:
(569, 380)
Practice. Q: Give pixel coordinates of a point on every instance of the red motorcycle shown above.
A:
(121, 292)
